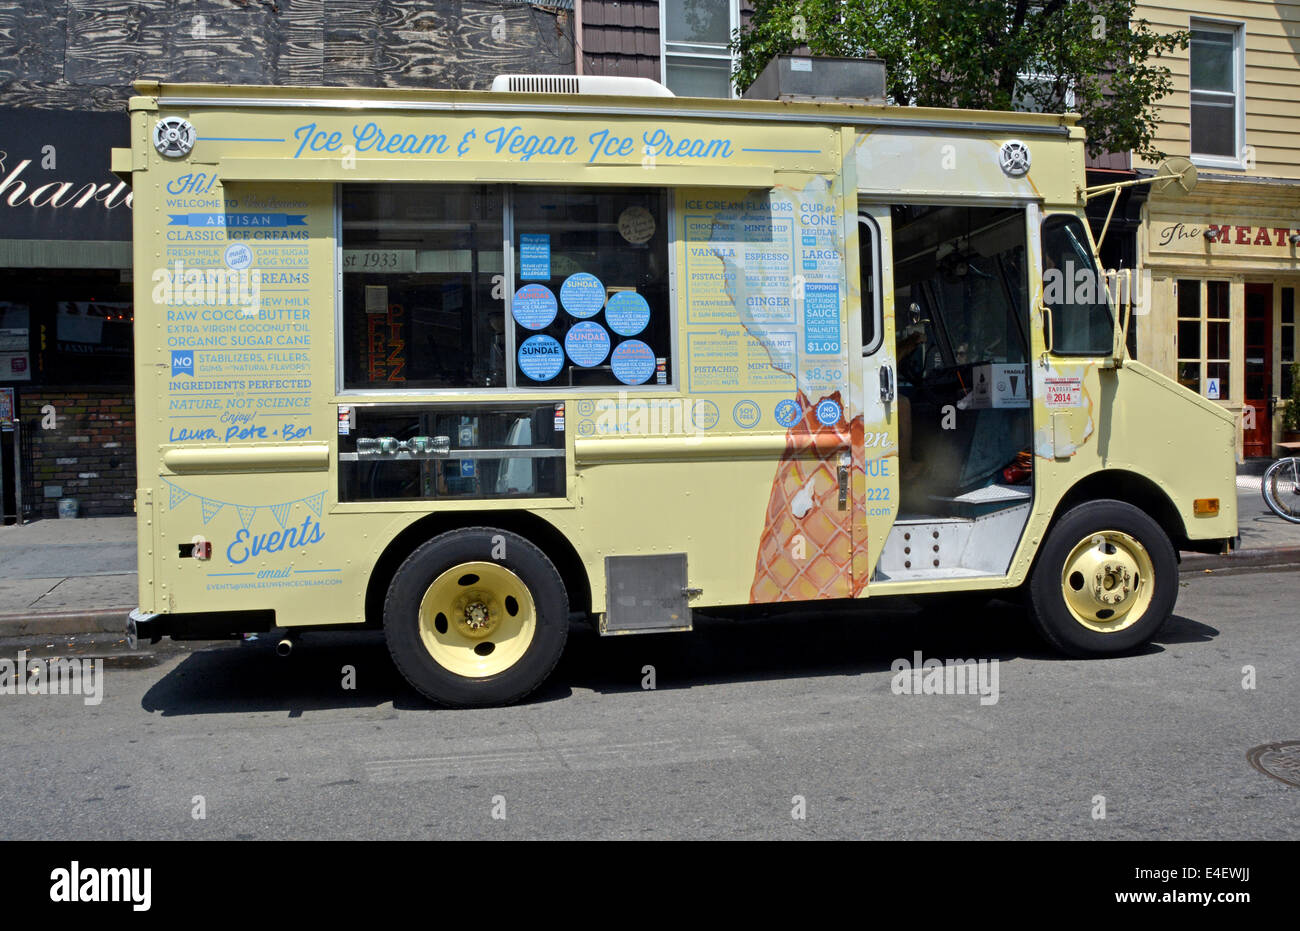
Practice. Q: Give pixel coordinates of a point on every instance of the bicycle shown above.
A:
(1281, 488)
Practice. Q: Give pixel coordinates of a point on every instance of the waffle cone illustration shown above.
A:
(808, 548)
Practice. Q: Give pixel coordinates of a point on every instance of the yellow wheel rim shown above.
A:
(1107, 581)
(477, 619)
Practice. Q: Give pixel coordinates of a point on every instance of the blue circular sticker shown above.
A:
(828, 413)
(541, 358)
(587, 344)
(633, 362)
(787, 413)
(534, 306)
(582, 295)
(238, 256)
(627, 313)
(705, 415)
(746, 414)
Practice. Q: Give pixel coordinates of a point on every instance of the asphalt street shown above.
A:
(747, 719)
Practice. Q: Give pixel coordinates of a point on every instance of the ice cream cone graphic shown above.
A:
(809, 549)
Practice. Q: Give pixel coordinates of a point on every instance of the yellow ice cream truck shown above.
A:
(464, 365)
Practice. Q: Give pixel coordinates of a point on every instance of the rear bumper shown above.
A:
(143, 626)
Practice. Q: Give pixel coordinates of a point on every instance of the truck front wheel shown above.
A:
(476, 617)
(1105, 582)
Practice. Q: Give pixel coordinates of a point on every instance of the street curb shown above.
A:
(104, 620)
(1259, 558)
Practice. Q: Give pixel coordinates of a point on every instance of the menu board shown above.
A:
(234, 299)
(764, 284)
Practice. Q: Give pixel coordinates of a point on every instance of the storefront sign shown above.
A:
(1192, 237)
(55, 181)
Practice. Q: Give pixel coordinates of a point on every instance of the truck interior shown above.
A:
(961, 302)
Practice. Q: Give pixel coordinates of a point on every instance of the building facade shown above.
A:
(66, 69)
(1224, 260)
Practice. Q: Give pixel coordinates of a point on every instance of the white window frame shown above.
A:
(703, 50)
(1238, 32)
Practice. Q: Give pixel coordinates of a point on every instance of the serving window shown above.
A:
(431, 301)
(422, 286)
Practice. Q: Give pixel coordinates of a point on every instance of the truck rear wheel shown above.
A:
(476, 617)
(1105, 582)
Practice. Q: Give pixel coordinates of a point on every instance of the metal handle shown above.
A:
(886, 383)
(1047, 328)
(843, 476)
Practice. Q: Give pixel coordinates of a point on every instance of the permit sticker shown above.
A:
(1064, 392)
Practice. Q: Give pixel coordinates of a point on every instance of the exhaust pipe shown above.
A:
(285, 646)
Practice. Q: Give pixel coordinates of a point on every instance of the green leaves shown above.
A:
(988, 55)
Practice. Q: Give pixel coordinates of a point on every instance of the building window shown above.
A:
(696, 35)
(1287, 340)
(1217, 94)
(1204, 337)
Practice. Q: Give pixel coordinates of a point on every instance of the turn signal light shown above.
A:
(1205, 507)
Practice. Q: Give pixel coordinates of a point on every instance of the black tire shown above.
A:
(1047, 601)
(403, 626)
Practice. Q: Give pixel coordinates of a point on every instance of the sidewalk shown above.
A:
(78, 576)
(67, 576)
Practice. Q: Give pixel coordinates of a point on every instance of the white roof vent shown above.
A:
(578, 84)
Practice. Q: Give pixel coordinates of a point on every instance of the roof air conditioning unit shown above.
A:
(578, 84)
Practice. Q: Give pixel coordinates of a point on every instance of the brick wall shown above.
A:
(88, 455)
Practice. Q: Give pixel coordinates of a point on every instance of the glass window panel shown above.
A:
(867, 263)
(1074, 290)
(1216, 340)
(619, 236)
(699, 77)
(1211, 61)
(1189, 375)
(698, 21)
(1288, 305)
(418, 269)
(1189, 339)
(1189, 299)
(393, 453)
(1214, 127)
(1216, 300)
(1288, 344)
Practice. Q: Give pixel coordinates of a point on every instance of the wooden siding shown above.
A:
(1272, 46)
(620, 38)
(84, 54)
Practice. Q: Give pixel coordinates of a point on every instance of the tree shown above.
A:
(988, 55)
